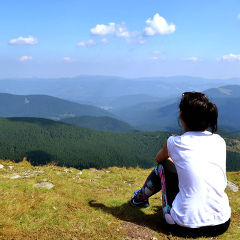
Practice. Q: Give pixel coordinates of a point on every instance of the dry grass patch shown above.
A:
(84, 204)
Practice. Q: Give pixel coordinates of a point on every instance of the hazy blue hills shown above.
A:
(45, 107)
(100, 123)
(96, 89)
(229, 113)
(44, 141)
(141, 111)
(152, 116)
(163, 116)
(127, 101)
(228, 91)
(144, 116)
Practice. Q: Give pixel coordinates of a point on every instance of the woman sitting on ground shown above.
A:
(191, 173)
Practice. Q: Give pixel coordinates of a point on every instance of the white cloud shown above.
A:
(139, 40)
(68, 59)
(30, 40)
(119, 30)
(157, 53)
(104, 41)
(158, 25)
(25, 58)
(102, 29)
(238, 16)
(153, 58)
(89, 42)
(230, 58)
(191, 59)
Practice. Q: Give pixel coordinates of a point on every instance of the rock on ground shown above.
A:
(232, 186)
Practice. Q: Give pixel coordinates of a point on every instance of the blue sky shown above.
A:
(127, 38)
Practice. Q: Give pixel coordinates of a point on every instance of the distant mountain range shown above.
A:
(146, 104)
(227, 91)
(102, 90)
(162, 116)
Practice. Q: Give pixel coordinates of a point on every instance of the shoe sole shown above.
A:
(138, 205)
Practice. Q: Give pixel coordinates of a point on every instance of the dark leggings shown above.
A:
(164, 177)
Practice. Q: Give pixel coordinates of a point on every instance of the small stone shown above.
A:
(93, 179)
(47, 185)
(11, 167)
(1, 166)
(107, 189)
(15, 177)
(39, 171)
(232, 186)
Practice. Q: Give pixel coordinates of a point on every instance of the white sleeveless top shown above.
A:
(200, 160)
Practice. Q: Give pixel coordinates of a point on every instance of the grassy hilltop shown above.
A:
(86, 204)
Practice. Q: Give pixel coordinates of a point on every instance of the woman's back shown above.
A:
(200, 160)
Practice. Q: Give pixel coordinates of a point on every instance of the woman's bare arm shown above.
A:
(162, 154)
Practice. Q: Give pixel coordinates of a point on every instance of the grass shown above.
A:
(85, 204)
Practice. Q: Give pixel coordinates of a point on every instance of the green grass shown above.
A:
(90, 205)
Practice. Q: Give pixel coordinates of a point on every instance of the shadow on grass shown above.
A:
(135, 215)
(155, 221)
(39, 157)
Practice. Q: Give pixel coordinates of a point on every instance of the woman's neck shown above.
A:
(186, 128)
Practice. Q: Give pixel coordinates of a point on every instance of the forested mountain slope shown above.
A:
(100, 123)
(43, 141)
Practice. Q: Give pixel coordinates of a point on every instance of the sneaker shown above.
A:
(139, 203)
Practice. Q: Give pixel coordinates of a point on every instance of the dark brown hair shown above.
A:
(198, 112)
